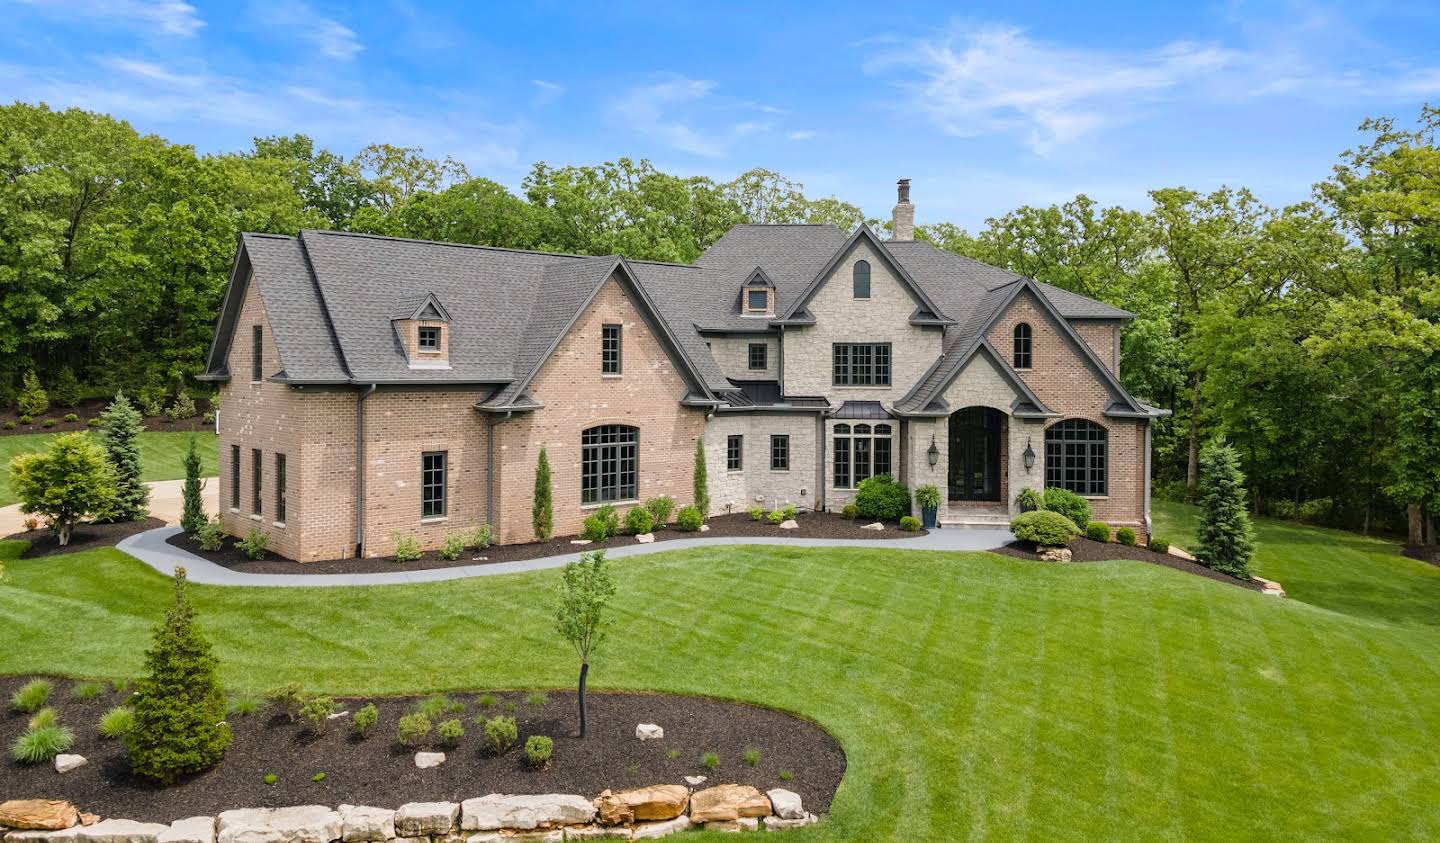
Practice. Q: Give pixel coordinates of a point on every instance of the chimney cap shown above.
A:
(904, 189)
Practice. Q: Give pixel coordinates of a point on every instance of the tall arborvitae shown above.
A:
(1226, 538)
(192, 515)
(542, 511)
(120, 434)
(702, 480)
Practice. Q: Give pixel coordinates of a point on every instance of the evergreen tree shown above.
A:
(1225, 534)
(67, 388)
(33, 400)
(121, 430)
(192, 517)
(179, 726)
(542, 513)
(702, 481)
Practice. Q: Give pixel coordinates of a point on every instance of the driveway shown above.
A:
(165, 504)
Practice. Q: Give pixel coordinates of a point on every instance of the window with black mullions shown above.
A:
(609, 464)
(257, 471)
(759, 356)
(234, 476)
(861, 364)
(1076, 456)
(432, 484)
(257, 354)
(1022, 346)
(734, 453)
(429, 339)
(280, 488)
(780, 453)
(610, 349)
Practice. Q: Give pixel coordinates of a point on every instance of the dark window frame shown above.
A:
(280, 483)
(764, 294)
(1077, 457)
(434, 484)
(235, 477)
(860, 280)
(1024, 346)
(862, 451)
(257, 354)
(609, 464)
(257, 482)
(432, 343)
(763, 358)
(611, 348)
(861, 364)
(779, 452)
(735, 452)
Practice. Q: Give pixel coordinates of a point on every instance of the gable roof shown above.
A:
(927, 308)
(425, 307)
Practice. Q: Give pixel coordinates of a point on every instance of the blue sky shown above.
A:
(985, 106)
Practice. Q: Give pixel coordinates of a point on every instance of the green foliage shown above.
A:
(179, 707)
(245, 706)
(1068, 504)
(36, 746)
(407, 546)
(47, 423)
(910, 523)
(67, 483)
(609, 519)
(701, 481)
(87, 690)
(537, 698)
(777, 516)
(1159, 545)
(31, 696)
(593, 529)
(33, 400)
(1044, 528)
(1097, 531)
(120, 435)
(480, 537)
(1126, 536)
(542, 509)
(254, 545)
(26, 419)
(486, 701)
(211, 535)
(882, 498)
(450, 731)
(927, 496)
(270, 779)
(790, 513)
(43, 718)
(67, 390)
(757, 513)
(290, 699)
(316, 713)
(638, 520)
(671, 754)
(453, 546)
(1028, 499)
(538, 749)
(182, 408)
(94, 421)
(752, 756)
(192, 516)
(660, 508)
(786, 775)
(439, 705)
(586, 588)
(116, 723)
(413, 729)
(710, 761)
(152, 401)
(9, 424)
(689, 519)
(1226, 538)
(364, 719)
(501, 733)
(317, 778)
(72, 417)
(850, 511)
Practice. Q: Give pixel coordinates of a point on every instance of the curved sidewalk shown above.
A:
(150, 547)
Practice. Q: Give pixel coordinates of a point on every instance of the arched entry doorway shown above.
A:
(975, 435)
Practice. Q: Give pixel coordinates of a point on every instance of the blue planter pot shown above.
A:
(927, 516)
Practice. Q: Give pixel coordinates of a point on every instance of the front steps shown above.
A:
(988, 517)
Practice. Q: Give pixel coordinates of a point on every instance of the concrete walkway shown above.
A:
(165, 504)
(150, 547)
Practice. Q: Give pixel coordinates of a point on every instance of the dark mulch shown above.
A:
(92, 408)
(376, 771)
(812, 525)
(1424, 552)
(84, 537)
(1086, 550)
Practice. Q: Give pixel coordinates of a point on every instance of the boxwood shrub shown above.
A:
(1097, 531)
(910, 524)
(1125, 536)
(1068, 504)
(689, 519)
(1043, 527)
(639, 520)
(881, 497)
(1159, 545)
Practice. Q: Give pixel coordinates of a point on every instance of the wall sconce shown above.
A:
(1029, 455)
(932, 453)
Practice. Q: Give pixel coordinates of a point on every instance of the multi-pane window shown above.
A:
(734, 453)
(609, 463)
(432, 484)
(862, 364)
(757, 301)
(257, 354)
(429, 339)
(234, 476)
(257, 471)
(779, 453)
(862, 279)
(280, 488)
(861, 451)
(759, 356)
(610, 349)
(1075, 456)
(1022, 346)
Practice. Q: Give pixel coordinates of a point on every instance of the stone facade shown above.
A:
(757, 483)
(732, 353)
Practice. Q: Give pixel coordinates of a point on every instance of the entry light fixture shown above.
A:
(1029, 455)
(933, 452)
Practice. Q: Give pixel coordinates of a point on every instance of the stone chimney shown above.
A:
(902, 219)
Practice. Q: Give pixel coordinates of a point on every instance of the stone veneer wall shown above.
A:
(732, 355)
(757, 484)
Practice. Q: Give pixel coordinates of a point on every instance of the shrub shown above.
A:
(486, 701)
(1068, 504)
(72, 417)
(538, 750)
(31, 696)
(689, 519)
(211, 535)
(1097, 531)
(67, 388)
(316, 713)
(31, 524)
(593, 529)
(927, 496)
(94, 421)
(481, 537)
(501, 733)
(192, 516)
(910, 523)
(450, 731)
(152, 401)
(270, 779)
(70, 481)
(87, 690)
(413, 729)
(701, 481)
(585, 588)
(317, 778)
(850, 511)
(26, 419)
(36, 746)
(364, 719)
(120, 435)
(117, 723)
(660, 509)
(407, 547)
(183, 408)
(752, 756)
(453, 546)
(32, 400)
(47, 423)
(786, 775)
(610, 518)
(757, 513)
(638, 520)
(1159, 545)
(208, 418)
(245, 706)
(777, 516)
(1043, 527)
(179, 708)
(542, 508)
(1126, 536)
(537, 698)
(290, 700)
(1315, 510)
(882, 498)
(710, 760)
(438, 705)
(44, 718)
(254, 544)
(1225, 538)
(671, 754)
(791, 513)
(9, 424)
(1028, 500)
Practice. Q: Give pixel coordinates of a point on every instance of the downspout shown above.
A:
(820, 462)
(491, 422)
(360, 471)
(780, 359)
(1147, 479)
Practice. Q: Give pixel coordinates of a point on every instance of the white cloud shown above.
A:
(679, 112)
(800, 135)
(165, 17)
(297, 19)
(545, 92)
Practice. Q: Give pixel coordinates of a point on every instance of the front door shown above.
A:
(975, 454)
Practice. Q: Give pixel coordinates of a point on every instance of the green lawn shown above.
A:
(162, 456)
(976, 696)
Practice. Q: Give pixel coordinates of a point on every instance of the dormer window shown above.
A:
(757, 296)
(757, 301)
(420, 325)
(429, 339)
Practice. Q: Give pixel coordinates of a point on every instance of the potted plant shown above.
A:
(1029, 500)
(928, 499)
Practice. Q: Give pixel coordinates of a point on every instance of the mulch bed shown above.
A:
(1087, 550)
(1424, 552)
(43, 542)
(92, 408)
(377, 771)
(812, 525)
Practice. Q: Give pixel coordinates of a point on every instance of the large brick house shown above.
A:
(372, 385)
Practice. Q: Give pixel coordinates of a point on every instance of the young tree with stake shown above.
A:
(585, 589)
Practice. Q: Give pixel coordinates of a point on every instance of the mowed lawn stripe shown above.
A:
(162, 456)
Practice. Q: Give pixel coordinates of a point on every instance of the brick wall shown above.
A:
(1104, 338)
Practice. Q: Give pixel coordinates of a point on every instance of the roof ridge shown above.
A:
(368, 236)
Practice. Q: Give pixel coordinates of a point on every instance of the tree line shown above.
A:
(1307, 335)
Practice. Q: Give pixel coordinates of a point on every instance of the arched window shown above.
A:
(862, 279)
(609, 463)
(1076, 456)
(1022, 346)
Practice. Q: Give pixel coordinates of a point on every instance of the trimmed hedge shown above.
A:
(1097, 531)
(1043, 527)
(1068, 504)
(882, 498)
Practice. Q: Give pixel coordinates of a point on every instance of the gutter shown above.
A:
(360, 471)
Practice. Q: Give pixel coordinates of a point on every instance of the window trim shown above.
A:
(764, 349)
(735, 452)
(1023, 350)
(281, 481)
(426, 485)
(606, 354)
(873, 351)
(420, 344)
(848, 448)
(779, 452)
(625, 438)
(257, 483)
(1073, 463)
(257, 353)
(857, 278)
(746, 308)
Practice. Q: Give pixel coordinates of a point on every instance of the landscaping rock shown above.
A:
(302, 824)
(580, 541)
(190, 830)
(785, 804)
(1269, 588)
(496, 811)
(593, 832)
(423, 819)
(728, 802)
(426, 760)
(1054, 554)
(657, 802)
(121, 831)
(337, 715)
(877, 526)
(704, 528)
(1182, 553)
(735, 826)
(38, 814)
(363, 824)
(775, 824)
(649, 732)
(789, 524)
(64, 835)
(696, 781)
(645, 538)
(89, 819)
(554, 835)
(65, 763)
(646, 831)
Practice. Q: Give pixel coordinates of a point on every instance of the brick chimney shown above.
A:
(902, 219)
